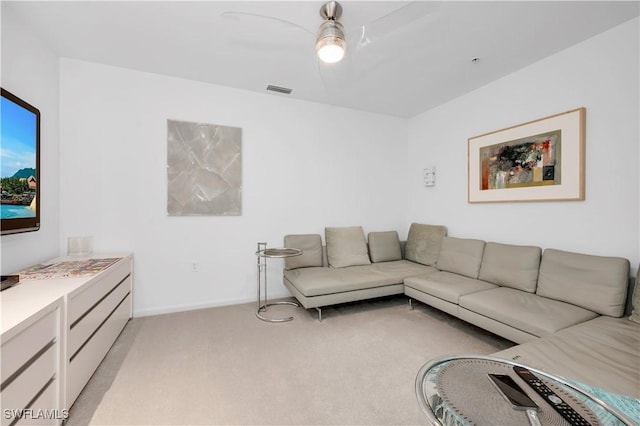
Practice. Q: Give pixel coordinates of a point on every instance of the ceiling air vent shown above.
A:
(279, 89)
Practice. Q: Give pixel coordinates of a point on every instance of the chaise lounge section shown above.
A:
(348, 269)
(602, 353)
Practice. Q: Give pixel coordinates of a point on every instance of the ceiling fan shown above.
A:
(342, 54)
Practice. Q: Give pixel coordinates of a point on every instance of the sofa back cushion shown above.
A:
(508, 265)
(311, 246)
(423, 243)
(460, 256)
(346, 246)
(635, 301)
(384, 246)
(596, 283)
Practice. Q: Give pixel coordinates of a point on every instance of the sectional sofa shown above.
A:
(565, 309)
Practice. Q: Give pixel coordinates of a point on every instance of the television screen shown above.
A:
(19, 165)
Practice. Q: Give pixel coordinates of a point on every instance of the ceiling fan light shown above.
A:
(330, 49)
(331, 44)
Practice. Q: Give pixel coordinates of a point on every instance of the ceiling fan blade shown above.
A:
(393, 21)
(261, 33)
(283, 23)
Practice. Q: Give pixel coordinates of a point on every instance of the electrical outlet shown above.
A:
(195, 266)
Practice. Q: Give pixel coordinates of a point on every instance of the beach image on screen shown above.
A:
(18, 174)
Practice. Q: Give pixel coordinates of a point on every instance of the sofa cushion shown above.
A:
(322, 281)
(384, 246)
(512, 266)
(525, 311)
(596, 283)
(423, 243)
(635, 301)
(401, 269)
(446, 286)
(460, 256)
(311, 246)
(346, 246)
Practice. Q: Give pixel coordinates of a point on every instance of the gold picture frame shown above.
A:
(541, 160)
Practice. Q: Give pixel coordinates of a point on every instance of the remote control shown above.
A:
(564, 409)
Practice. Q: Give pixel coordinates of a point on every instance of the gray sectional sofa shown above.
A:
(565, 309)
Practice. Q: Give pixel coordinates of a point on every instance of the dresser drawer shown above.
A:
(86, 325)
(82, 302)
(18, 350)
(82, 366)
(42, 412)
(22, 391)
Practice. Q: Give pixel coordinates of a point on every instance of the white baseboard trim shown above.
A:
(137, 313)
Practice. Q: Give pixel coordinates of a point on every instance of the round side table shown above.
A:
(455, 391)
(263, 253)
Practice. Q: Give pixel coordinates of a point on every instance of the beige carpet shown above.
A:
(224, 366)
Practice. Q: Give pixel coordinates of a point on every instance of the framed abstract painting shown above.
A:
(542, 160)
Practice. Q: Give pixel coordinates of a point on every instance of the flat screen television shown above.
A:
(19, 165)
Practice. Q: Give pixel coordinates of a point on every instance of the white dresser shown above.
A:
(55, 333)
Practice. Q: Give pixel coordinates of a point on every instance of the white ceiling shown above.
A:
(403, 57)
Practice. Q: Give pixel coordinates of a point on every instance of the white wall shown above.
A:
(305, 166)
(601, 74)
(30, 71)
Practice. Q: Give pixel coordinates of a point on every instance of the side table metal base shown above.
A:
(263, 308)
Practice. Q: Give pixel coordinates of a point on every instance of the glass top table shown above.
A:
(455, 391)
(263, 253)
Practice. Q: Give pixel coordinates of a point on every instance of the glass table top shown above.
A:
(279, 252)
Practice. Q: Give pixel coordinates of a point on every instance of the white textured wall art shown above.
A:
(204, 169)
